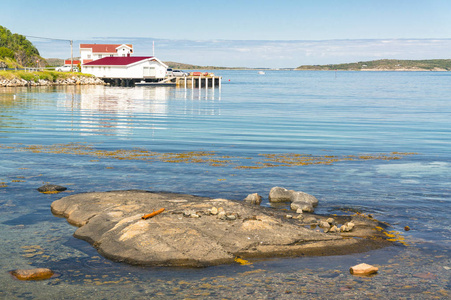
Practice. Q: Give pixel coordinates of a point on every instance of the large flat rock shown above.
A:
(187, 234)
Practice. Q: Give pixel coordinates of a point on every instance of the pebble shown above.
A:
(331, 221)
(214, 211)
(222, 215)
(231, 217)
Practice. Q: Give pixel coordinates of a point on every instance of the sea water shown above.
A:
(396, 127)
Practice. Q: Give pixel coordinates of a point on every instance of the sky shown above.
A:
(246, 33)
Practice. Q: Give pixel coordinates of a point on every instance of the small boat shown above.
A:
(261, 73)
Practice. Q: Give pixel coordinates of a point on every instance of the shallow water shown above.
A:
(318, 114)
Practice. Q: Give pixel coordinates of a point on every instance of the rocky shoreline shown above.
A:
(74, 80)
(191, 231)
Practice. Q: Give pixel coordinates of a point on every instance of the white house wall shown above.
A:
(131, 71)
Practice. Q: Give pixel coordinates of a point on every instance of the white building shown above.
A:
(91, 52)
(126, 67)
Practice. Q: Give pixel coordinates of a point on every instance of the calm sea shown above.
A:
(350, 125)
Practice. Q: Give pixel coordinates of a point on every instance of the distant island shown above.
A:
(385, 65)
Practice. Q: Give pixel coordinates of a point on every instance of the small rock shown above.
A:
(324, 224)
(299, 211)
(51, 188)
(304, 197)
(32, 274)
(334, 229)
(307, 208)
(231, 217)
(279, 194)
(213, 211)
(331, 221)
(344, 228)
(350, 226)
(407, 228)
(363, 269)
(311, 220)
(255, 199)
(194, 215)
(304, 206)
(222, 215)
(289, 216)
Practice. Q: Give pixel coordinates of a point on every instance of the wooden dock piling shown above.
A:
(198, 81)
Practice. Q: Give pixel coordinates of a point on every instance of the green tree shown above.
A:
(5, 52)
(24, 52)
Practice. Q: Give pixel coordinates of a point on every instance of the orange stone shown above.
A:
(363, 269)
(32, 274)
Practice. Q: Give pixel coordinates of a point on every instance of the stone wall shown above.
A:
(74, 80)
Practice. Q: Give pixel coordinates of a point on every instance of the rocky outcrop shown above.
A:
(197, 231)
(74, 80)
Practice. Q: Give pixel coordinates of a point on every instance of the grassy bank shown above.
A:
(51, 76)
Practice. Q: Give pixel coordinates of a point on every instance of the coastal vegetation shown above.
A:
(385, 65)
(15, 50)
(51, 76)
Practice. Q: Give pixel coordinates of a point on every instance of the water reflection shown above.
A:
(124, 111)
(155, 100)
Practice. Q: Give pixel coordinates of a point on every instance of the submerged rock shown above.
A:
(363, 269)
(51, 188)
(112, 222)
(32, 274)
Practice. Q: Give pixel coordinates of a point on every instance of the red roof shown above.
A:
(67, 62)
(117, 60)
(103, 48)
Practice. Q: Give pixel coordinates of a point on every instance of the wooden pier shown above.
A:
(187, 82)
(198, 81)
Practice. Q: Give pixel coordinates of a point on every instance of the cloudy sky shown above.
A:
(241, 33)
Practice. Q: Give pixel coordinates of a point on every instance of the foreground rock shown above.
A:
(32, 274)
(196, 231)
(363, 269)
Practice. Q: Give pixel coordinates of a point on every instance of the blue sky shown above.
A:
(241, 33)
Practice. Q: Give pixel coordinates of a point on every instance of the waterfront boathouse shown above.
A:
(127, 70)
